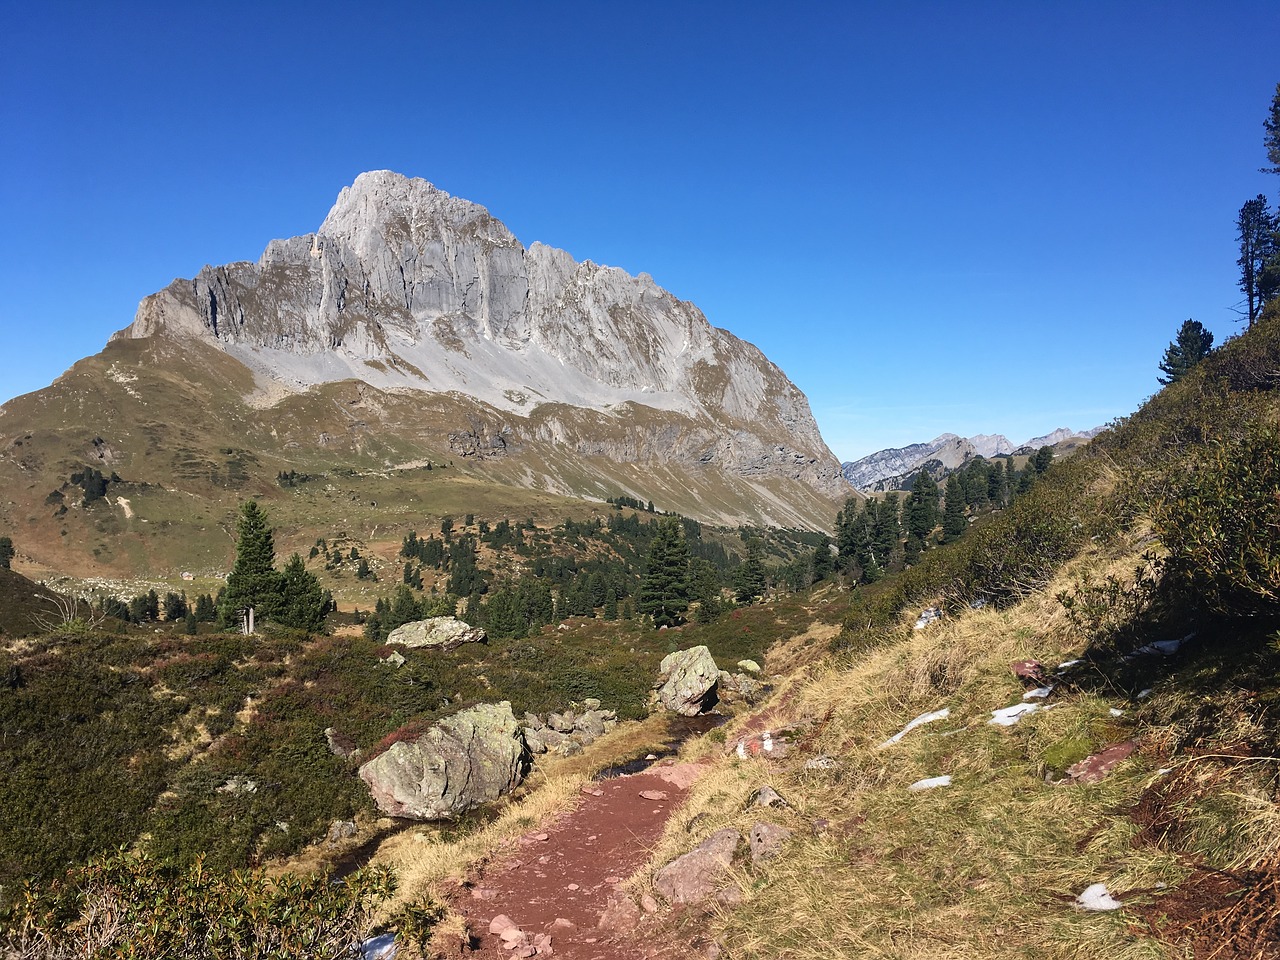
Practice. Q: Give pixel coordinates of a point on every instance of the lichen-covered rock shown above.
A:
(687, 681)
(461, 762)
(766, 841)
(443, 633)
(696, 875)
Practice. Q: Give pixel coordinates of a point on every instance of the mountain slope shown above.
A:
(411, 331)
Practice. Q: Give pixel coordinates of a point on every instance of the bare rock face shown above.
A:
(696, 875)
(470, 758)
(406, 288)
(443, 633)
(687, 681)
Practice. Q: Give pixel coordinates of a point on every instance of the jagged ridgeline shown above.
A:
(412, 330)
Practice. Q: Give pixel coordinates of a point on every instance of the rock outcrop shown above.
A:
(461, 762)
(687, 681)
(443, 633)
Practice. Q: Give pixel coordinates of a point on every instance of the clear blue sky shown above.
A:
(976, 217)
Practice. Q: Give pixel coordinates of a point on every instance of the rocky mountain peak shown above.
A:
(406, 288)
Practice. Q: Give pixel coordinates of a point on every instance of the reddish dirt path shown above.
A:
(574, 872)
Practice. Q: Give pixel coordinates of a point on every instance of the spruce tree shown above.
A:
(664, 589)
(749, 581)
(922, 508)
(1192, 345)
(302, 603)
(954, 523)
(254, 581)
(6, 552)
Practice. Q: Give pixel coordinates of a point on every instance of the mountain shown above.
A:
(892, 469)
(411, 328)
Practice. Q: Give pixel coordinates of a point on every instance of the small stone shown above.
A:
(560, 924)
(620, 916)
(613, 880)
(654, 794)
(542, 942)
(648, 904)
(501, 922)
(766, 841)
(528, 950)
(768, 797)
(483, 893)
(591, 703)
(543, 837)
(573, 886)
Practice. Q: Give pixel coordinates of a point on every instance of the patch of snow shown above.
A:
(1008, 716)
(1143, 694)
(1116, 713)
(927, 617)
(1164, 771)
(1039, 693)
(1096, 897)
(929, 783)
(126, 507)
(381, 947)
(918, 721)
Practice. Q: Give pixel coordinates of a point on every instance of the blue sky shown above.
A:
(975, 217)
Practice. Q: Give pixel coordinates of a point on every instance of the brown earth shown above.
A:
(561, 878)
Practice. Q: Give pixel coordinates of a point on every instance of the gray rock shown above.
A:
(695, 876)
(621, 915)
(553, 739)
(687, 681)
(559, 722)
(394, 659)
(591, 724)
(533, 740)
(339, 745)
(442, 633)
(340, 830)
(591, 703)
(461, 762)
(533, 721)
(748, 666)
(766, 841)
(768, 797)
(239, 785)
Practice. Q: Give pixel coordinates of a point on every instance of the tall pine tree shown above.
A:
(954, 523)
(254, 581)
(664, 589)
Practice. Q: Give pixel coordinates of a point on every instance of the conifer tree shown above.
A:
(6, 552)
(1193, 344)
(302, 603)
(749, 581)
(1256, 232)
(922, 507)
(954, 523)
(664, 589)
(254, 581)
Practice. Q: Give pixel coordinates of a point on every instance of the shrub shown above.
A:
(133, 906)
(1219, 518)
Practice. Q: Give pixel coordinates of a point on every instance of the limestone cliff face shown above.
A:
(407, 288)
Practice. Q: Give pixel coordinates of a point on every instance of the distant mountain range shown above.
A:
(892, 469)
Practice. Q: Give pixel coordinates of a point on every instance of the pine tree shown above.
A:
(749, 581)
(664, 589)
(6, 552)
(1256, 232)
(954, 523)
(922, 508)
(254, 581)
(1193, 344)
(1272, 140)
(302, 603)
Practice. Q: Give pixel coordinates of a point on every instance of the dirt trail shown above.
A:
(572, 868)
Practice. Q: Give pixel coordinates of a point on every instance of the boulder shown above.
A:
(442, 633)
(696, 875)
(533, 739)
(766, 841)
(748, 666)
(590, 724)
(687, 681)
(560, 722)
(461, 762)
